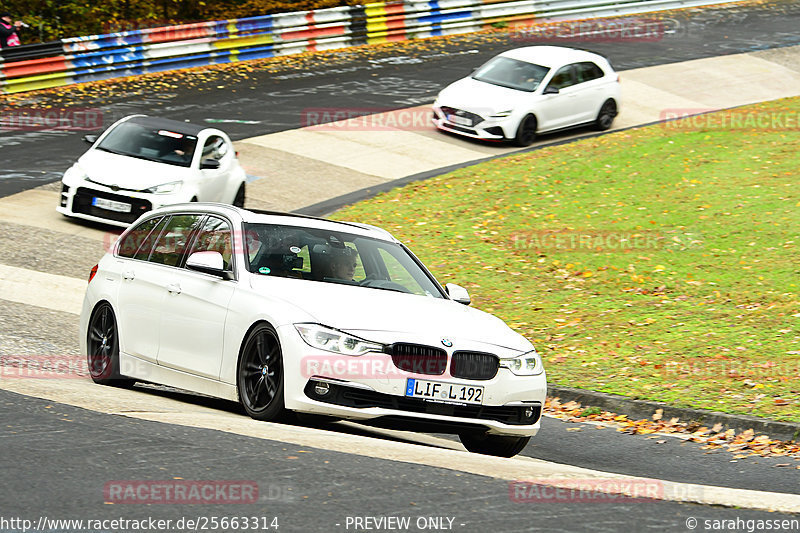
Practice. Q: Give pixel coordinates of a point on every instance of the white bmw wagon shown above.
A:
(287, 313)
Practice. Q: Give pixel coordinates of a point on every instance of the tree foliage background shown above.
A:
(50, 20)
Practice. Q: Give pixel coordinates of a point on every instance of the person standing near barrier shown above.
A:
(8, 31)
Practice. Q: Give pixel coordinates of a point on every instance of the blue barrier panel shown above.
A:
(101, 58)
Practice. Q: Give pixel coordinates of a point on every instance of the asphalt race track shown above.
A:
(267, 102)
(58, 459)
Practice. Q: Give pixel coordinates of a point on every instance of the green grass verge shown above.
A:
(660, 263)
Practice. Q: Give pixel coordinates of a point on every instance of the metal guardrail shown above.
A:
(97, 57)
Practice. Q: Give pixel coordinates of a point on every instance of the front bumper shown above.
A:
(488, 129)
(371, 388)
(79, 202)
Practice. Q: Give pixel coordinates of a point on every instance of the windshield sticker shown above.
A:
(264, 270)
(172, 134)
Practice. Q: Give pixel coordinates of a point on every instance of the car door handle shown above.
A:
(129, 275)
(174, 288)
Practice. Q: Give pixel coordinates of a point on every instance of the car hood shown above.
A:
(128, 172)
(482, 98)
(360, 310)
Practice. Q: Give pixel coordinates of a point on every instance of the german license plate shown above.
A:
(461, 121)
(444, 392)
(111, 205)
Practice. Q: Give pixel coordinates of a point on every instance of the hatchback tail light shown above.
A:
(92, 273)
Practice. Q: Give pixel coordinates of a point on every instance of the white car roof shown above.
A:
(551, 56)
(285, 219)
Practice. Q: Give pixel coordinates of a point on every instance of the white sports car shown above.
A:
(291, 313)
(142, 163)
(526, 91)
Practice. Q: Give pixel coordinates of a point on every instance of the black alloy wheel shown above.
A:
(102, 347)
(260, 374)
(526, 132)
(606, 115)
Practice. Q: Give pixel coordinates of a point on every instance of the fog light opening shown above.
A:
(528, 413)
(321, 388)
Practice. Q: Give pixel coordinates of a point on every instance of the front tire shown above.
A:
(526, 131)
(260, 374)
(497, 445)
(238, 200)
(102, 347)
(606, 115)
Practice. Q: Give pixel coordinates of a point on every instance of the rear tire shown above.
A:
(238, 200)
(606, 115)
(260, 374)
(497, 445)
(526, 131)
(102, 348)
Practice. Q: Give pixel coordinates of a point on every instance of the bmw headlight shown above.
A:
(502, 114)
(527, 364)
(332, 340)
(165, 188)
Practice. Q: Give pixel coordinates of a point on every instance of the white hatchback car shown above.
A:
(142, 163)
(526, 91)
(291, 313)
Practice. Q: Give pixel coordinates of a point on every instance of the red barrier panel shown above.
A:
(35, 66)
(311, 33)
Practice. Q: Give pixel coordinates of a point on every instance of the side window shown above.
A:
(562, 78)
(132, 240)
(215, 148)
(588, 71)
(172, 243)
(215, 236)
(143, 252)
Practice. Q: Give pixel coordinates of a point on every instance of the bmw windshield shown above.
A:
(334, 257)
(511, 73)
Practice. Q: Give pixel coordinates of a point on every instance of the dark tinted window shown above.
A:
(563, 78)
(511, 73)
(132, 240)
(588, 71)
(215, 236)
(154, 144)
(172, 242)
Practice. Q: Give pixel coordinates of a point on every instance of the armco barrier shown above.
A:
(132, 53)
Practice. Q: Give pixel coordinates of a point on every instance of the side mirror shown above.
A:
(209, 164)
(457, 293)
(91, 139)
(550, 90)
(209, 263)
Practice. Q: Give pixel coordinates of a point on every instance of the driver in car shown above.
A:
(343, 264)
